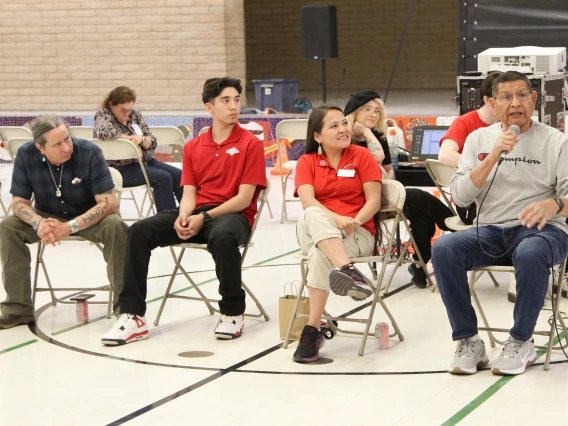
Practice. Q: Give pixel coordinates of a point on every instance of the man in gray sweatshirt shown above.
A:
(517, 172)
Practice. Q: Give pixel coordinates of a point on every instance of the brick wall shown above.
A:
(65, 55)
(368, 37)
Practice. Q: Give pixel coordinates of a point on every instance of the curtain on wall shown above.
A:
(504, 23)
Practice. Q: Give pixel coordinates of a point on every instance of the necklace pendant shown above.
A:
(58, 193)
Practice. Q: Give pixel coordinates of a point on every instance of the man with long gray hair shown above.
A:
(74, 194)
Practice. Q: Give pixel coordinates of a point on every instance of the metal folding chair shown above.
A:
(441, 175)
(40, 261)
(557, 280)
(6, 211)
(291, 130)
(122, 149)
(11, 132)
(81, 132)
(167, 135)
(12, 147)
(262, 198)
(392, 201)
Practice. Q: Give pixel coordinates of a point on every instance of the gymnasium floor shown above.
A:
(58, 373)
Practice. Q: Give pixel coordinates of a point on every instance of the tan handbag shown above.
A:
(286, 309)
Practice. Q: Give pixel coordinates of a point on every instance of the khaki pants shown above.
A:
(15, 235)
(314, 226)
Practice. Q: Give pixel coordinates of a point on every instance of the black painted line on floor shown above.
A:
(245, 268)
(41, 335)
(193, 387)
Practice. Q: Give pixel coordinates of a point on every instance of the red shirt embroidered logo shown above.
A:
(323, 163)
(232, 151)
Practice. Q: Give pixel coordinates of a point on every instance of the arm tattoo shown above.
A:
(92, 216)
(372, 147)
(106, 203)
(24, 214)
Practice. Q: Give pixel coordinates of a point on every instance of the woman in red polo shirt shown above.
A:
(339, 185)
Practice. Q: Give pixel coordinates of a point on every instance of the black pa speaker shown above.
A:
(319, 32)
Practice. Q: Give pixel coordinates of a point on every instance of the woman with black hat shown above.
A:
(365, 112)
(366, 115)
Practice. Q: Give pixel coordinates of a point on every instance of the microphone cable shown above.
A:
(560, 272)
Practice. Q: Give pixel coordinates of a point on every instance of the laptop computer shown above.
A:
(425, 145)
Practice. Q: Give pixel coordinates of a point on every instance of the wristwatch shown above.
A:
(74, 226)
(560, 204)
(35, 225)
(206, 217)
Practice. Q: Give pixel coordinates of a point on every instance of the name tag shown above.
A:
(137, 130)
(346, 173)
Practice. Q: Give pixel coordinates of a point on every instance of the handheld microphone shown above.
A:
(515, 130)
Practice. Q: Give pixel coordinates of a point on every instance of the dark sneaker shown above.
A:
(311, 341)
(12, 320)
(418, 276)
(349, 282)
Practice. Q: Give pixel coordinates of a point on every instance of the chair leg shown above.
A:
(165, 297)
(473, 280)
(177, 261)
(110, 297)
(420, 258)
(40, 261)
(296, 306)
(495, 282)
(557, 316)
(387, 255)
(257, 302)
(269, 209)
(284, 180)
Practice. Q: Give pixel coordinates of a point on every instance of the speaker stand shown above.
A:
(323, 81)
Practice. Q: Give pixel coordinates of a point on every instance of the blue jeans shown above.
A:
(164, 180)
(455, 254)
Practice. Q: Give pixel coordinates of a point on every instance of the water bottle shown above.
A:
(393, 148)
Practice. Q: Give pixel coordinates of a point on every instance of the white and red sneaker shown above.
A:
(230, 327)
(127, 328)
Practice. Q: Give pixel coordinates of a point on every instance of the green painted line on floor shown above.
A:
(214, 279)
(21, 345)
(490, 391)
(73, 327)
(473, 405)
(173, 292)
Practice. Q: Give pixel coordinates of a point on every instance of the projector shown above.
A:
(524, 59)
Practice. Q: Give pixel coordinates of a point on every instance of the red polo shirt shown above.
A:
(462, 126)
(217, 170)
(343, 195)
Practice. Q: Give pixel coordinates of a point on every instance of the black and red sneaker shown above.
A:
(311, 341)
(349, 282)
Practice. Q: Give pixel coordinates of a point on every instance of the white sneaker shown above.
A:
(230, 327)
(470, 355)
(515, 357)
(127, 328)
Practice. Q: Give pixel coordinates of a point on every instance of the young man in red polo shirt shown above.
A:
(223, 172)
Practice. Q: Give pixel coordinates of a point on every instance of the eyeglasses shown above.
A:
(124, 110)
(369, 110)
(507, 97)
